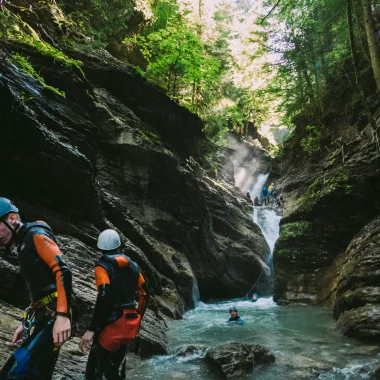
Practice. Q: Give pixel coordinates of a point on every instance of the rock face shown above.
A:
(115, 152)
(330, 196)
(357, 305)
(235, 360)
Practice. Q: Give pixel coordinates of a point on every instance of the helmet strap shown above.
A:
(13, 230)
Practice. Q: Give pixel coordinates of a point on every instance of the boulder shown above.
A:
(262, 355)
(237, 359)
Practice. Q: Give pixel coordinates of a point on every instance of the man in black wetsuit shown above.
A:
(234, 316)
(115, 321)
(49, 281)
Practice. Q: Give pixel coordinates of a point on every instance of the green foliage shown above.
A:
(216, 125)
(26, 67)
(177, 61)
(101, 19)
(315, 51)
(15, 29)
(148, 137)
(55, 90)
(291, 230)
(310, 144)
(321, 187)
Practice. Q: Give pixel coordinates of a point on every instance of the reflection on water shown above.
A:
(304, 340)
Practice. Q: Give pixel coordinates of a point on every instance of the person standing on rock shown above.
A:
(234, 316)
(49, 281)
(115, 320)
(264, 194)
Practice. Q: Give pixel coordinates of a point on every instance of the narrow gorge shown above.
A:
(89, 141)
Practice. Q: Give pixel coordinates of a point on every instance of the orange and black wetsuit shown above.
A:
(48, 278)
(115, 318)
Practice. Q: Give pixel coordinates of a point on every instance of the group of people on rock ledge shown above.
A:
(268, 195)
(47, 322)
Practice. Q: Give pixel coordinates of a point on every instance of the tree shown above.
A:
(371, 38)
(176, 59)
(355, 61)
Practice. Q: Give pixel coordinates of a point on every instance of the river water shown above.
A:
(304, 339)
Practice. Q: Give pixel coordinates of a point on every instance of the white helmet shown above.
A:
(109, 240)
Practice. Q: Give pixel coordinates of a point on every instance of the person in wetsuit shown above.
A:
(255, 297)
(49, 281)
(234, 316)
(115, 320)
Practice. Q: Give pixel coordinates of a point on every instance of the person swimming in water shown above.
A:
(255, 297)
(234, 316)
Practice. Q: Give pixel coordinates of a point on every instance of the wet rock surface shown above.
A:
(328, 201)
(234, 360)
(357, 305)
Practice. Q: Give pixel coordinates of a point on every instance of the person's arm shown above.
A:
(99, 316)
(49, 252)
(143, 294)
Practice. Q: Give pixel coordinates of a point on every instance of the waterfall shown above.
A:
(195, 293)
(266, 218)
(269, 222)
(258, 186)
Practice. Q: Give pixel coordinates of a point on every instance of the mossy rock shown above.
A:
(323, 186)
(295, 229)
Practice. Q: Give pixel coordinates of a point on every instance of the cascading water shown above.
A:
(269, 223)
(304, 340)
(195, 293)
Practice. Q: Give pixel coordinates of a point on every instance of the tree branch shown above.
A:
(274, 7)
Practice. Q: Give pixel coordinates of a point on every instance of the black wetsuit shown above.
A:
(117, 280)
(235, 319)
(45, 272)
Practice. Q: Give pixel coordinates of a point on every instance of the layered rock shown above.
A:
(327, 202)
(357, 306)
(234, 360)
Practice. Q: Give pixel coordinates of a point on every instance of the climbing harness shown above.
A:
(29, 319)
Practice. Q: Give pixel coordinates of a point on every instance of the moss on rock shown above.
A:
(294, 229)
(322, 187)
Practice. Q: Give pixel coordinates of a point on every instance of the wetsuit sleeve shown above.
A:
(143, 294)
(99, 317)
(49, 252)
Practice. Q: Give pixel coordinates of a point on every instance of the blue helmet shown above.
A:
(232, 309)
(6, 207)
(255, 295)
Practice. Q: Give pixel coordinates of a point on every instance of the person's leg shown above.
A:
(36, 358)
(97, 362)
(113, 366)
